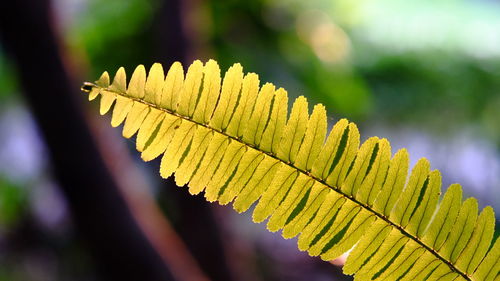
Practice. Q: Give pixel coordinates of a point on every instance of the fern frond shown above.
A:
(236, 143)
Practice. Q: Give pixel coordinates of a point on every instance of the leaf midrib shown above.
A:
(381, 216)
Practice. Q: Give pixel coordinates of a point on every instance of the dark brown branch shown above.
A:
(99, 211)
(143, 205)
(195, 221)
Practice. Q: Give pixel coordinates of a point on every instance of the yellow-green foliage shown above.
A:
(238, 143)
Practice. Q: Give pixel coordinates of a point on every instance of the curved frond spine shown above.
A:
(234, 142)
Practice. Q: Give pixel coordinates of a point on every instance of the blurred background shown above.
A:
(76, 201)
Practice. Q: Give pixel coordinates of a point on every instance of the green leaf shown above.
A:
(490, 266)
(235, 143)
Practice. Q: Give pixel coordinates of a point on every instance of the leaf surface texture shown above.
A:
(239, 142)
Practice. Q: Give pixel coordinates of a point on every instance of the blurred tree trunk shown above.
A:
(99, 211)
(194, 219)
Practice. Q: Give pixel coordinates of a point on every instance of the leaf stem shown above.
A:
(85, 88)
